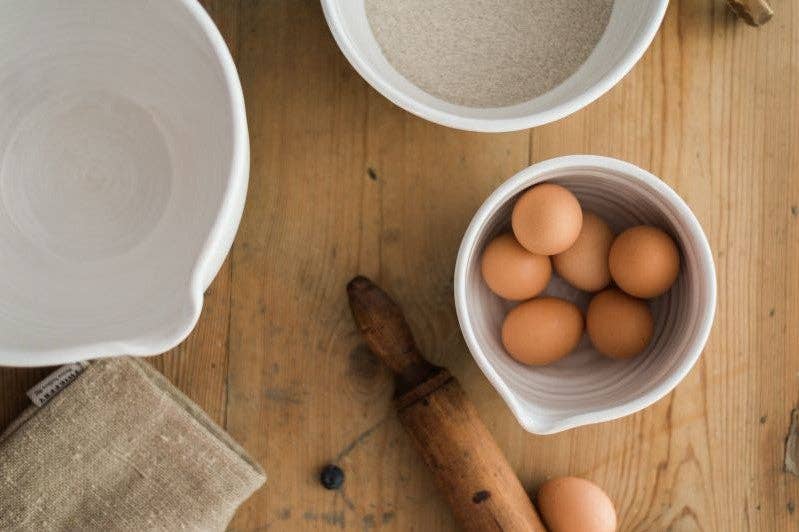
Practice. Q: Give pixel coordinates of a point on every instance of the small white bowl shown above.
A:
(631, 28)
(586, 387)
(124, 160)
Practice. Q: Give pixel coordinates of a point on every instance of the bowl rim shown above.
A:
(490, 125)
(504, 193)
(214, 250)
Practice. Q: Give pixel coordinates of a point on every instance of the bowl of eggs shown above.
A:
(585, 290)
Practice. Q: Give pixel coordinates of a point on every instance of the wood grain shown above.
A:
(470, 470)
(386, 333)
(199, 365)
(343, 182)
(753, 12)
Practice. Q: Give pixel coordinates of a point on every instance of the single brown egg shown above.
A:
(542, 330)
(512, 272)
(547, 219)
(644, 261)
(619, 325)
(585, 264)
(572, 504)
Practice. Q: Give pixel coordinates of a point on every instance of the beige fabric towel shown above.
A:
(121, 449)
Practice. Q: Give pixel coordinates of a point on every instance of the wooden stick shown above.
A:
(754, 12)
(387, 334)
(468, 466)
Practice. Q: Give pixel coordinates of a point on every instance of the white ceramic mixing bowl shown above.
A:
(632, 26)
(586, 387)
(124, 160)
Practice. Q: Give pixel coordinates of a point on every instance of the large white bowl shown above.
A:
(586, 387)
(631, 28)
(124, 160)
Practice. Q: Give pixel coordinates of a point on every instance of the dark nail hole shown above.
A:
(480, 496)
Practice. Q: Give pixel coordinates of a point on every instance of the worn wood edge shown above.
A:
(388, 335)
(469, 468)
(753, 12)
(439, 379)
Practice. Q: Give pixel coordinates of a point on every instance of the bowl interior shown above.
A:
(630, 28)
(586, 386)
(116, 149)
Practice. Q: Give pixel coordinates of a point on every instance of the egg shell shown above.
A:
(644, 261)
(547, 219)
(512, 272)
(585, 264)
(572, 504)
(542, 330)
(619, 325)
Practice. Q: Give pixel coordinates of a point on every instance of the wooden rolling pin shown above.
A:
(754, 12)
(469, 468)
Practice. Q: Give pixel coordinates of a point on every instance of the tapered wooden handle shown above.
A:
(468, 466)
(386, 332)
(754, 12)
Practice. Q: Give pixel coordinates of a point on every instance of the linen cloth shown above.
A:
(121, 448)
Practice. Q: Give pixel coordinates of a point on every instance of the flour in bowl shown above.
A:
(487, 53)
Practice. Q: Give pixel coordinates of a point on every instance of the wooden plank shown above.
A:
(199, 365)
(303, 390)
(712, 110)
(14, 382)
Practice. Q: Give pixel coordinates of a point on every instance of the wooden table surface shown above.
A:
(344, 182)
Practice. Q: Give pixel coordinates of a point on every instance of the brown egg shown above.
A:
(619, 325)
(585, 264)
(572, 504)
(512, 272)
(644, 261)
(542, 330)
(547, 219)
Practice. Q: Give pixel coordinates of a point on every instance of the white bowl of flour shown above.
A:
(493, 65)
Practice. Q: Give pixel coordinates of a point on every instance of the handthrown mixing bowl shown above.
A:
(586, 387)
(632, 26)
(124, 161)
